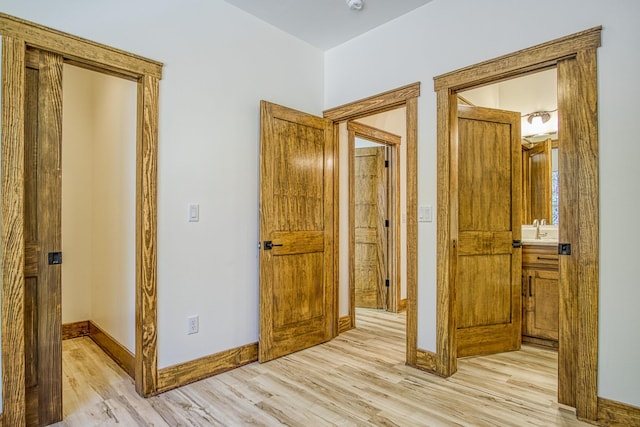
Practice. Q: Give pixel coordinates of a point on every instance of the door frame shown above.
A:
(575, 57)
(392, 143)
(405, 96)
(17, 35)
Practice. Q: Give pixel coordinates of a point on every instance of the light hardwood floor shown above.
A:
(358, 379)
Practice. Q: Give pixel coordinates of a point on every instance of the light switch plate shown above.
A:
(425, 214)
(194, 212)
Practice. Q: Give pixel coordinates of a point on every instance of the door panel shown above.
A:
(296, 216)
(42, 215)
(488, 300)
(371, 198)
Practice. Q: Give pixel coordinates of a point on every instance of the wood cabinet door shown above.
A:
(371, 197)
(540, 289)
(296, 231)
(488, 268)
(43, 235)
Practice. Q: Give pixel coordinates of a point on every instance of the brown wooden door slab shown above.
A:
(371, 198)
(42, 231)
(296, 217)
(488, 276)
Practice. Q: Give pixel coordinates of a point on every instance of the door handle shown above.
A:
(268, 245)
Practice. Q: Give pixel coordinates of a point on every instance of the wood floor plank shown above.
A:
(358, 379)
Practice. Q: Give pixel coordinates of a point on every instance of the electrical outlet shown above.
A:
(193, 325)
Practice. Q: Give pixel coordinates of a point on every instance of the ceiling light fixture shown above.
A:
(355, 4)
(545, 116)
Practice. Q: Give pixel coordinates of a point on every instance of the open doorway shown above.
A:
(376, 203)
(534, 98)
(98, 221)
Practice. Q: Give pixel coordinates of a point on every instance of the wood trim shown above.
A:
(79, 50)
(407, 96)
(578, 139)
(337, 325)
(345, 324)
(412, 232)
(402, 305)
(377, 103)
(13, 363)
(374, 134)
(195, 370)
(612, 413)
(581, 121)
(531, 59)
(110, 61)
(146, 237)
(427, 361)
(446, 232)
(116, 351)
(75, 330)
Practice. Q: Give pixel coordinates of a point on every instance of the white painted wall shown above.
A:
(423, 44)
(219, 63)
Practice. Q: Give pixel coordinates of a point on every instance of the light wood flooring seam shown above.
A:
(357, 379)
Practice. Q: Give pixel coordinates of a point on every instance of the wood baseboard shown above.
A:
(402, 305)
(426, 361)
(612, 413)
(344, 324)
(540, 341)
(75, 330)
(195, 370)
(120, 354)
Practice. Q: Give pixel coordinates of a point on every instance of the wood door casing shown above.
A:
(488, 268)
(371, 249)
(296, 215)
(43, 234)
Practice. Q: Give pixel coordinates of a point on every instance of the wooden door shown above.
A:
(488, 268)
(536, 174)
(296, 231)
(42, 231)
(371, 225)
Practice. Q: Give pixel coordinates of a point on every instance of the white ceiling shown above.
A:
(326, 23)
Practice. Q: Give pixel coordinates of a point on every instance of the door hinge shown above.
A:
(516, 244)
(386, 163)
(387, 283)
(55, 258)
(386, 223)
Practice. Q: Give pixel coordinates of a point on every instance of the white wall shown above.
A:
(219, 63)
(424, 44)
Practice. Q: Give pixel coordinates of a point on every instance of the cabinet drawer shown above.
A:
(540, 257)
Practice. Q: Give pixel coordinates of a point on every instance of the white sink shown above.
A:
(547, 235)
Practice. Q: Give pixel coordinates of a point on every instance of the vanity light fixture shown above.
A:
(545, 116)
(355, 4)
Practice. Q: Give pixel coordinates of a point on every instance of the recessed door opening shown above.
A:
(377, 234)
(98, 212)
(534, 98)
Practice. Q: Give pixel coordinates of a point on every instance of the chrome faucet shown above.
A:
(536, 224)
